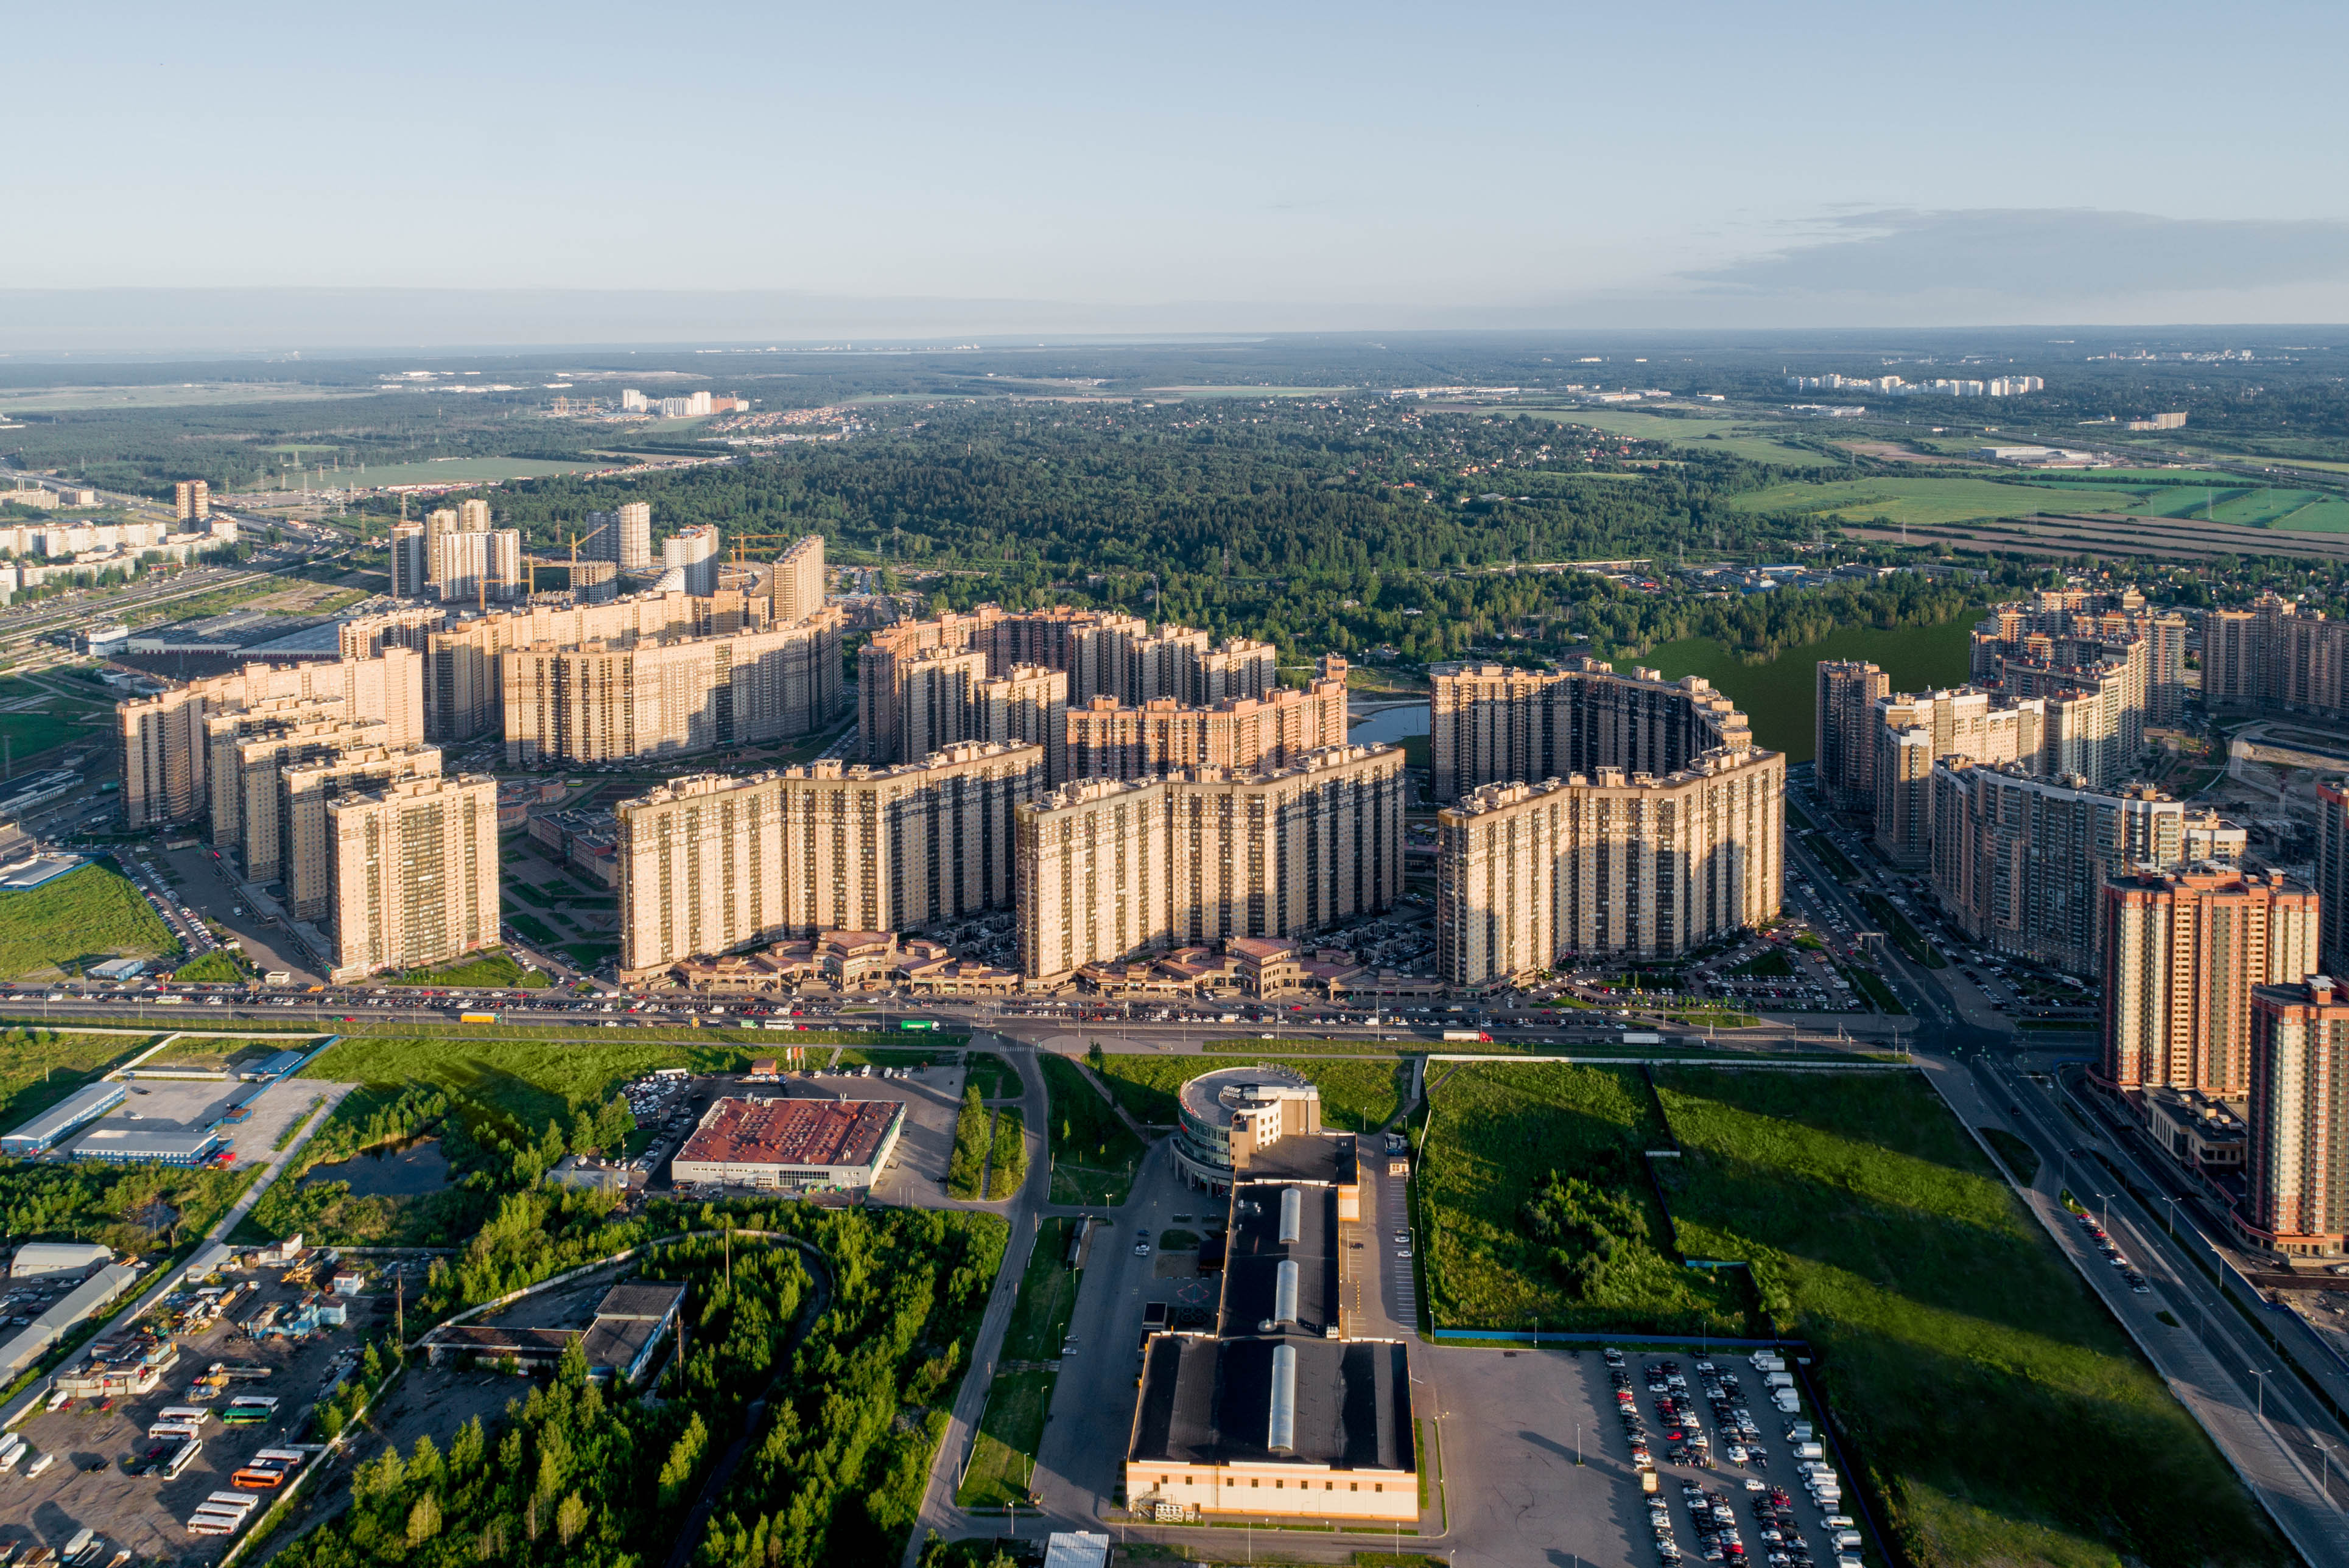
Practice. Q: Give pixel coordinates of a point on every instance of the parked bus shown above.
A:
(265, 1402)
(172, 1429)
(191, 1413)
(294, 1456)
(231, 1502)
(183, 1459)
(253, 1477)
(243, 1416)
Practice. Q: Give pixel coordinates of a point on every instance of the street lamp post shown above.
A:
(2260, 1396)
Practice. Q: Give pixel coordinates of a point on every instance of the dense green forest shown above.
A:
(853, 1367)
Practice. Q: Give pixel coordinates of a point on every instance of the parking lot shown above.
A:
(188, 1104)
(95, 1441)
(1514, 1423)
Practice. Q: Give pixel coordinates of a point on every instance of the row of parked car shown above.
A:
(2114, 1256)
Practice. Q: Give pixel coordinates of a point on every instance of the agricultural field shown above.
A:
(84, 917)
(1923, 502)
(1991, 1403)
(1735, 437)
(195, 394)
(458, 470)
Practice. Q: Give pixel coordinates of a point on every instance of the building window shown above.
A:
(1377, 1486)
(1255, 1481)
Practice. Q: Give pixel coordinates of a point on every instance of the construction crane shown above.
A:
(744, 543)
(576, 540)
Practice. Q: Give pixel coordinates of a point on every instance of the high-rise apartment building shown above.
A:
(2020, 862)
(473, 515)
(2276, 656)
(464, 690)
(191, 500)
(1112, 869)
(1097, 656)
(305, 862)
(1913, 730)
(2183, 952)
(627, 699)
(692, 555)
(2079, 628)
(623, 537)
(1109, 740)
(797, 582)
(1844, 733)
(2333, 874)
(479, 568)
(415, 872)
(411, 561)
(169, 745)
(2296, 1200)
(1491, 725)
(1608, 863)
(711, 863)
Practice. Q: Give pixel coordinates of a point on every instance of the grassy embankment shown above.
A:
(84, 917)
(1004, 1460)
(967, 1168)
(1094, 1157)
(1990, 1404)
(1356, 1096)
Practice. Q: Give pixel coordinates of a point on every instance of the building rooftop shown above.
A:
(1255, 1290)
(791, 1131)
(163, 1143)
(1320, 1158)
(1208, 1401)
(1214, 1098)
(47, 1126)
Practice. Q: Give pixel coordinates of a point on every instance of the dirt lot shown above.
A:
(145, 1514)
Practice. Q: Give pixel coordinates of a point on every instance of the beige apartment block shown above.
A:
(257, 813)
(2020, 862)
(168, 745)
(2183, 952)
(465, 689)
(1099, 655)
(415, 869)
(614, 703)
(1109, 869)
(1493, 725)
(711, 863)
(1913, 730)
(797, 584)
(305, 853)
(1842, 738)
(1612, 863)
(1108, 741)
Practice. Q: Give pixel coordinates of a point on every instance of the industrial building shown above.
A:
(43, 1130)
(790, 1144)
(151, 1145)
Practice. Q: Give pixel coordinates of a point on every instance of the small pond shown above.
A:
(1386, 722)
(390, 1172)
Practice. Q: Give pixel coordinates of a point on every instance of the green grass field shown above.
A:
(1048, 1297)
(493, 967)
(83, 917)
(1094, 1157)
(1497, 1135)
(1355, 1096)
(50, 720)
(993, 1076)
(1004, 1460)
(1740, 438)
(2256, 506)
(458, 470)
(1995, 1408)
(533, 1080)
(40, 1066)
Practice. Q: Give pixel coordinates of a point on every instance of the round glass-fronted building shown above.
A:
(1248, 1107)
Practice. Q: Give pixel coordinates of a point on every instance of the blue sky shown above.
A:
(1259, 166)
